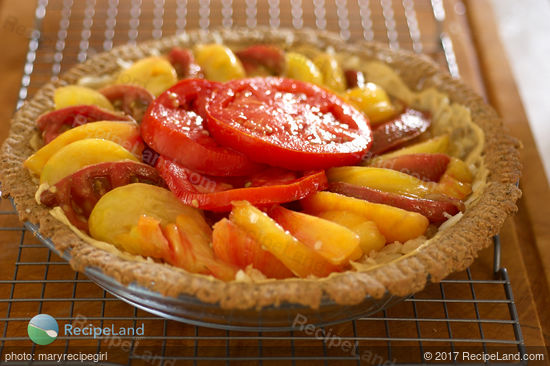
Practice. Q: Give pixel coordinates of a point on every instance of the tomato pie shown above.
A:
(255, 168)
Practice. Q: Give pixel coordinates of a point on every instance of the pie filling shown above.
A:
(256, 163)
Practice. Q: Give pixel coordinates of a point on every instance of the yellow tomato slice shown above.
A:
(373, 101)
(298, 257)
(125, 134)
(370, 237)
(218, 62)
(79, 154)
(70, 95)
(299, 67)
(453, 187)
(116, 215)
(336, 243)
(386, 180)
(394, 223)
(439, 144)
(333, 75)
(155, 74)
(459, 170)
(146, 239)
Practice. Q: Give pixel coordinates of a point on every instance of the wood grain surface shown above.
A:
(532, 228)
(482, 64)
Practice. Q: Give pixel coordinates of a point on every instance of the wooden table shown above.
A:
(469, 27)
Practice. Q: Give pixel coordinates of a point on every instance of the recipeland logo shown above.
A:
(91, 330)
(43, 329)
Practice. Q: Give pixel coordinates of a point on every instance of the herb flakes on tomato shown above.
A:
(269, 186)
(287, 123)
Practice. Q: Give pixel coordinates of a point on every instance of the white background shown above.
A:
(524, 27)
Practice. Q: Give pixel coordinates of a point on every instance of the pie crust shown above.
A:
(453, 249)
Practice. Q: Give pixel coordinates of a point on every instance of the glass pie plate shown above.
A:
(189, 309)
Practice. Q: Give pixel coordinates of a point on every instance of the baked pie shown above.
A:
(251, 168)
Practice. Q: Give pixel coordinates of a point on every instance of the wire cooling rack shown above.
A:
(453, 316)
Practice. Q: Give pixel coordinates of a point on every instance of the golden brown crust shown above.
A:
(453, 250)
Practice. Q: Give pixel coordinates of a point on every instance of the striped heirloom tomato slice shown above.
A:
(78, 193)
(54, 123)
(287, 123)
(132, 99)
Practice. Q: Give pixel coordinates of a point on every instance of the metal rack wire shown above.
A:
(453, 315)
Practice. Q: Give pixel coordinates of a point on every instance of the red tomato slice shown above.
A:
(269, 56)
(215, 194)
(173, 126)
(78, 193)
(428, 167)
(54, 123)
(355, 78)
(287, 123)
(132, 99)
(405, 127)
(183, 61)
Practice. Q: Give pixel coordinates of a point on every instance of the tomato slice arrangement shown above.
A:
(287, 123)
(174, 126)
(266, 187)
(78, 193)
(434, 208)
(298, 182)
